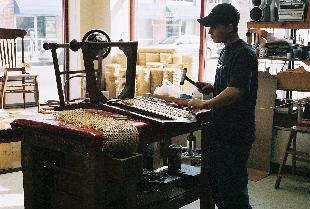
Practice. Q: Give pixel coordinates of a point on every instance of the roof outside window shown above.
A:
(38, 7)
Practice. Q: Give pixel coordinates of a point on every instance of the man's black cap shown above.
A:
(221, 14)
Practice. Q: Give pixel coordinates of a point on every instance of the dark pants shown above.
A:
(228, 176)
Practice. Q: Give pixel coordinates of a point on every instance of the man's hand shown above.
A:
(205, 88)
(198, 104)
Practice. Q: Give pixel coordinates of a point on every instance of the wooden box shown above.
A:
(294, 81)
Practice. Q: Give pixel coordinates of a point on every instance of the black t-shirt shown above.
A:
(237, 67)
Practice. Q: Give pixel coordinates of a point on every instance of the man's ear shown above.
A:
(230, 28)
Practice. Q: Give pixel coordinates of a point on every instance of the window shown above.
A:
(42, 20)
(184, 0)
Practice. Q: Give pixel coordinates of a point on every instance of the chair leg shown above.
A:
(24, 94)
(3, 92)
(294, 156)
(2, 97)
(279, 177)
(36, 94)
(2, 100)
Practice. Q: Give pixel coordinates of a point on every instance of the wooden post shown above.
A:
(132, 19)
(202, 44)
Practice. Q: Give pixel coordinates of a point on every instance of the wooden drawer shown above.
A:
(64, 201)
(122, 169)
(67, 181)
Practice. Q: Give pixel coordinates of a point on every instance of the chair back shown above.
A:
(8, 49)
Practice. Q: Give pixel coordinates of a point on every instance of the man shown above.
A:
(232, 126)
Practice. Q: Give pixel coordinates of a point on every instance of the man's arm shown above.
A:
(228, 96)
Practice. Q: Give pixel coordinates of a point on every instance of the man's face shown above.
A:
(220, 33)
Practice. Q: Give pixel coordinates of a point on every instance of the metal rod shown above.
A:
(71, 72)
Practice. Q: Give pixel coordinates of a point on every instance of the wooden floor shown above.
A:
(9, 115)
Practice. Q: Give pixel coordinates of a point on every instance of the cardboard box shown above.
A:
(152, 57)
(295, 81)
(10, 155)
(157, 50)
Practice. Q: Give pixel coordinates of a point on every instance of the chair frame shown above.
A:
(291, 149)
(8, 61)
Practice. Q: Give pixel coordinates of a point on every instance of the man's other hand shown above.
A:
(205, 88)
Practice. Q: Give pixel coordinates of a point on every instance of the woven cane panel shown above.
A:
(118, 135)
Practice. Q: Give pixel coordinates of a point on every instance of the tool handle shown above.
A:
(194, 83)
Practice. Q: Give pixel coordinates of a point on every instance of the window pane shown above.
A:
(50, 27)
(170, 24)
(24, 23)
(41, 27)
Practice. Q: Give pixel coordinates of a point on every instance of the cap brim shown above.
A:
(206, 21)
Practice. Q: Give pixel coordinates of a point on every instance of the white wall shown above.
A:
(95, 14)
(119, 20)
(85, 15)
(74, 33)
(110, 15)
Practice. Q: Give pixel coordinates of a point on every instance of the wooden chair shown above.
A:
(12, 65)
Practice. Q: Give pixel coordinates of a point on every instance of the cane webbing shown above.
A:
(119, 135)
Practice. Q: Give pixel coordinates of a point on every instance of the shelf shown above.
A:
(299, 90)
(282, 59)
(178, 197)
(179, 189)
(283, 25)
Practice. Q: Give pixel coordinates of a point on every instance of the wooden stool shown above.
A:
(296, 155)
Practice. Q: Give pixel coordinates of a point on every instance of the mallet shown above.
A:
(184, 77)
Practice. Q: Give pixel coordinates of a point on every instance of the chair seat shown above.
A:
(11, 69)
(22, 76)
(20, 91)
(302, 128)
(20, 85)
